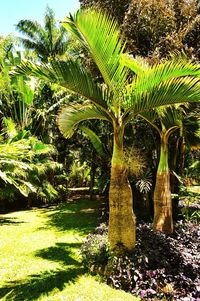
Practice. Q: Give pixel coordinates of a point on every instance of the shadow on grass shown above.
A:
(61, 252)
(41, 284)
(9, 221)
(78, 215)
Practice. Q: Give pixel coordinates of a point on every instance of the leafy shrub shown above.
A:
(159, 267)
(95, 250)
(189, 205)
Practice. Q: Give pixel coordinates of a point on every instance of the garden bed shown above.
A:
(160, 266)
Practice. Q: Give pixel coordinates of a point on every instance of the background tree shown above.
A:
(155, 28)
(116, 8)
(47, 42)
(29, 111)
(25, 163)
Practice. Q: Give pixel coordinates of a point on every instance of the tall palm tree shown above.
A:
(165, 121)
(117, 100)
(48, 41)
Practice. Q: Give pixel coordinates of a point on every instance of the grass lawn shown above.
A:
(40, 259)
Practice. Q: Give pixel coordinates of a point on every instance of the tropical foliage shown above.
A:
(155, 29)
(24, 164)
(123, 87)
(117, 101)
(47, 42)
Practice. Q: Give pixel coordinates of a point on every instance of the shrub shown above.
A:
(189, 205)
(95, 250)
(159, 267)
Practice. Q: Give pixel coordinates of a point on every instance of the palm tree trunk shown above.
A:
(122, 222)
(162, 194)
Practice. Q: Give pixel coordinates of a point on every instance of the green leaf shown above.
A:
(70, 117)
(70, 75)
(95, 140)
(175, 90)
(137, 64)
(23, 89)
(101, 36)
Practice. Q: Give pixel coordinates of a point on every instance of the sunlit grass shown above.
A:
(40, 259)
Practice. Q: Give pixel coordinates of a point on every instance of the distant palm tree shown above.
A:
(117, 100)
(165, 121)
(48, 41)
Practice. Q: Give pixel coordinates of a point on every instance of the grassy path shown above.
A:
(40, 259)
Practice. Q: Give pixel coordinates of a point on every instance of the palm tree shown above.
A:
(170, 119)
(117, 100)
(48, 41)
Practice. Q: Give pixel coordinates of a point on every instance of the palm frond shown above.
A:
(166, 71)
(71, 116)
(70, 75)
(175, 90)
(138, 65)
(37, 47)
(16, 163)
(95, 140)
(100, 35)
(170, 116)
(29, 28)
(22, 186)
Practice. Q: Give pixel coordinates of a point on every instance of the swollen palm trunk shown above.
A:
(162, 195)
(122, 223)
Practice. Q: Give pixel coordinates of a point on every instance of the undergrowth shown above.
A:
(160, 266)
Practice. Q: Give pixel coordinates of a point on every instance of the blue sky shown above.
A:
(12, 11)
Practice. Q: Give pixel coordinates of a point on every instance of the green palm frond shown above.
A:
(170, 116)
(155, 75)
(70, 75)
(71, 116)
(16, 163)
(15, 150)
(5, 178)
(138, 65)
(173, 68)
(175, 90)
(95, 140)
(33, 45)
(100, 35)
(31, 29)
(24, 187)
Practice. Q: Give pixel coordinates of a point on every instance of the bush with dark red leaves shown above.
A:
(161, 266)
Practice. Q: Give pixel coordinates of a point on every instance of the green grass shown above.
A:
(40, 255)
